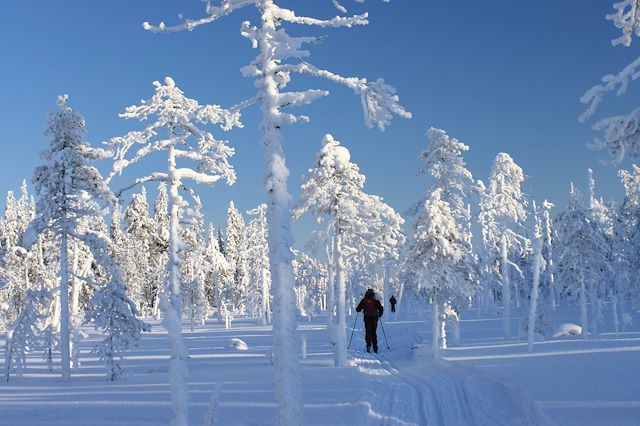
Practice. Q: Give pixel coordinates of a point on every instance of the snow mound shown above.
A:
(567, 329)
(239, 344)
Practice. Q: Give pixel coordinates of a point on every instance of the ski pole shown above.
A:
(353, 329)
(384, 334)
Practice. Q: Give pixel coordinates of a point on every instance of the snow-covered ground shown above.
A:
(484, 381)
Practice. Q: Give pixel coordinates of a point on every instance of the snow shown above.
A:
(485, 380)
(567, 329)
(239, 344)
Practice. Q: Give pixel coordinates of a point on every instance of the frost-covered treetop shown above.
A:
(333, 177)
(67, 129)
(627, 19)
(66, 181)
(631, 183)
(443, 160)
(503, 199)
(178, 115)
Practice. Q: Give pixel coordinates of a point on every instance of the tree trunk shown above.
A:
(285, 347)
(173, 308)
(531, 329)
(506, 289)
(583, 307)
(436, 327)
(75, 302)
(64, 307)
(341, 337)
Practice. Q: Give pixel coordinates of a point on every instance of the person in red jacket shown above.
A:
(372, 310)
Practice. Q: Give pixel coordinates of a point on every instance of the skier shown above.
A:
(372, 311)
(393, 303)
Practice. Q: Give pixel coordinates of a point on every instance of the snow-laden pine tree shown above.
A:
(443, 160)
(15, 262)
(602, 218)
(620, 134)
(61, 185)
(194, 268)
(279, 57)
(627, 241)
(333, 190)
(549, 253)
(436, 256)
(236, 291)
(311, 284)
(110, 309)
(537, 265)
(159, 253)
(175, 131)
(217, 268)
(137, 239)
(502, 214)
(582, 254)
(440, 255)
(256, 258)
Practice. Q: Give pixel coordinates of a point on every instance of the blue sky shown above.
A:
(502, 76)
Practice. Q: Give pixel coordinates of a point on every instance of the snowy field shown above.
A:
(484, 381)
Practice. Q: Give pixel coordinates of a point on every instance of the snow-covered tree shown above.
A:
(137, 239)
(159, 254)
(110, 310)
(502, 214)
(175, 131)
(436, 255)
(194, 268)
(333, 189)
(440, 258)
(217, 267)
(582, 254)
(537, 265)
(548, 252)
(236, 290)
(627, 241)
(27, 331)
(311, 284)
(256, 258)
(62, 186)
(620, 134)
(278, 58)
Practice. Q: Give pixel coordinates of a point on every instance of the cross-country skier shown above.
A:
(372, 310)
(393, 303)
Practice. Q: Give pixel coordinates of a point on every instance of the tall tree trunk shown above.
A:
(506, 288)
(537, 257)
(64, 307)
(285, 347)
(173, 308)
(583, 307)
(75, 302)
(341, 337)
(436, 326)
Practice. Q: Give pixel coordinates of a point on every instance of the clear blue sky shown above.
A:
(502, 76)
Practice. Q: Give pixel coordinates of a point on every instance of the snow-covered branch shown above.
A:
(620, 136)
(379, 100)
(153, 177)
(214, 13)
(618, 82)
(627, 19)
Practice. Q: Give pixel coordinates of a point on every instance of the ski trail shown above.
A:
(434, 392)
(394, 401)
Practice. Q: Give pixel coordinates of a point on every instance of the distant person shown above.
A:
(372, 311)
(393, 303)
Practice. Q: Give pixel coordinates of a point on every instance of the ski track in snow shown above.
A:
(436, 393)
